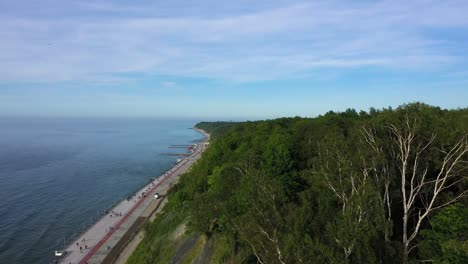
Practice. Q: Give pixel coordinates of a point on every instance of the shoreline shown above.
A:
(96, 242)
(133, 243)
(206, 134)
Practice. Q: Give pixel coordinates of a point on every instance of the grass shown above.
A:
(157, 246)
(223, 250)
(195, 252)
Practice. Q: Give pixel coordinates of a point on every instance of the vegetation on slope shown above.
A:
(384, 186)
(215, 129)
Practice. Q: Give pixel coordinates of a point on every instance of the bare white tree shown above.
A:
(351, 189)
(381, 174)
(261, 230)
(409, 151)
(246, 166)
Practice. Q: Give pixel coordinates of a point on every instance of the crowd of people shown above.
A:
(114, 214)
(83, 245)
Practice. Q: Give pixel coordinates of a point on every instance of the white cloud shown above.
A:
(262, 44)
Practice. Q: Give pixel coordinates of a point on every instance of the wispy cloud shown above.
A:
(98, 40)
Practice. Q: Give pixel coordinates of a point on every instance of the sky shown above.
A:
(243, 59)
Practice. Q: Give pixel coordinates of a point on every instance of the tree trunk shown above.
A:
(405, 239)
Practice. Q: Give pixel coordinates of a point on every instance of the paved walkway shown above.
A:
(94, 245)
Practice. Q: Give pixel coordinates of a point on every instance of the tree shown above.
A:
(361, 217)
(263, 225)
(416, 186)
(446, 242)
(380, 171)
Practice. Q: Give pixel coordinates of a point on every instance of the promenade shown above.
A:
(97, 242)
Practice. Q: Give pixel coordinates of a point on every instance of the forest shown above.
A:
(378, 186)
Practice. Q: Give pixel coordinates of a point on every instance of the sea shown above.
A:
(58, 175)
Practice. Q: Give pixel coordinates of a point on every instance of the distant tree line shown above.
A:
(215, 128)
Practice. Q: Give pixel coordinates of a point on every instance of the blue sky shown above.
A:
(212, 59)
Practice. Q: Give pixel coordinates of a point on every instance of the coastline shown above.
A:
(132, 245)
(206, 135)
(97, 242)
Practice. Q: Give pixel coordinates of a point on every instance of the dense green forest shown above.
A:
(216, 129)
(383, 186)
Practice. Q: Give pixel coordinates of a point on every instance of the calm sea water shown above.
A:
(57, 174)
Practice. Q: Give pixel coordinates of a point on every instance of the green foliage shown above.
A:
(215, 129)
(447, 241)
(293, 190)
(156, 246)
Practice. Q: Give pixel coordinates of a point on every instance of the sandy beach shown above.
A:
(116, 232)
